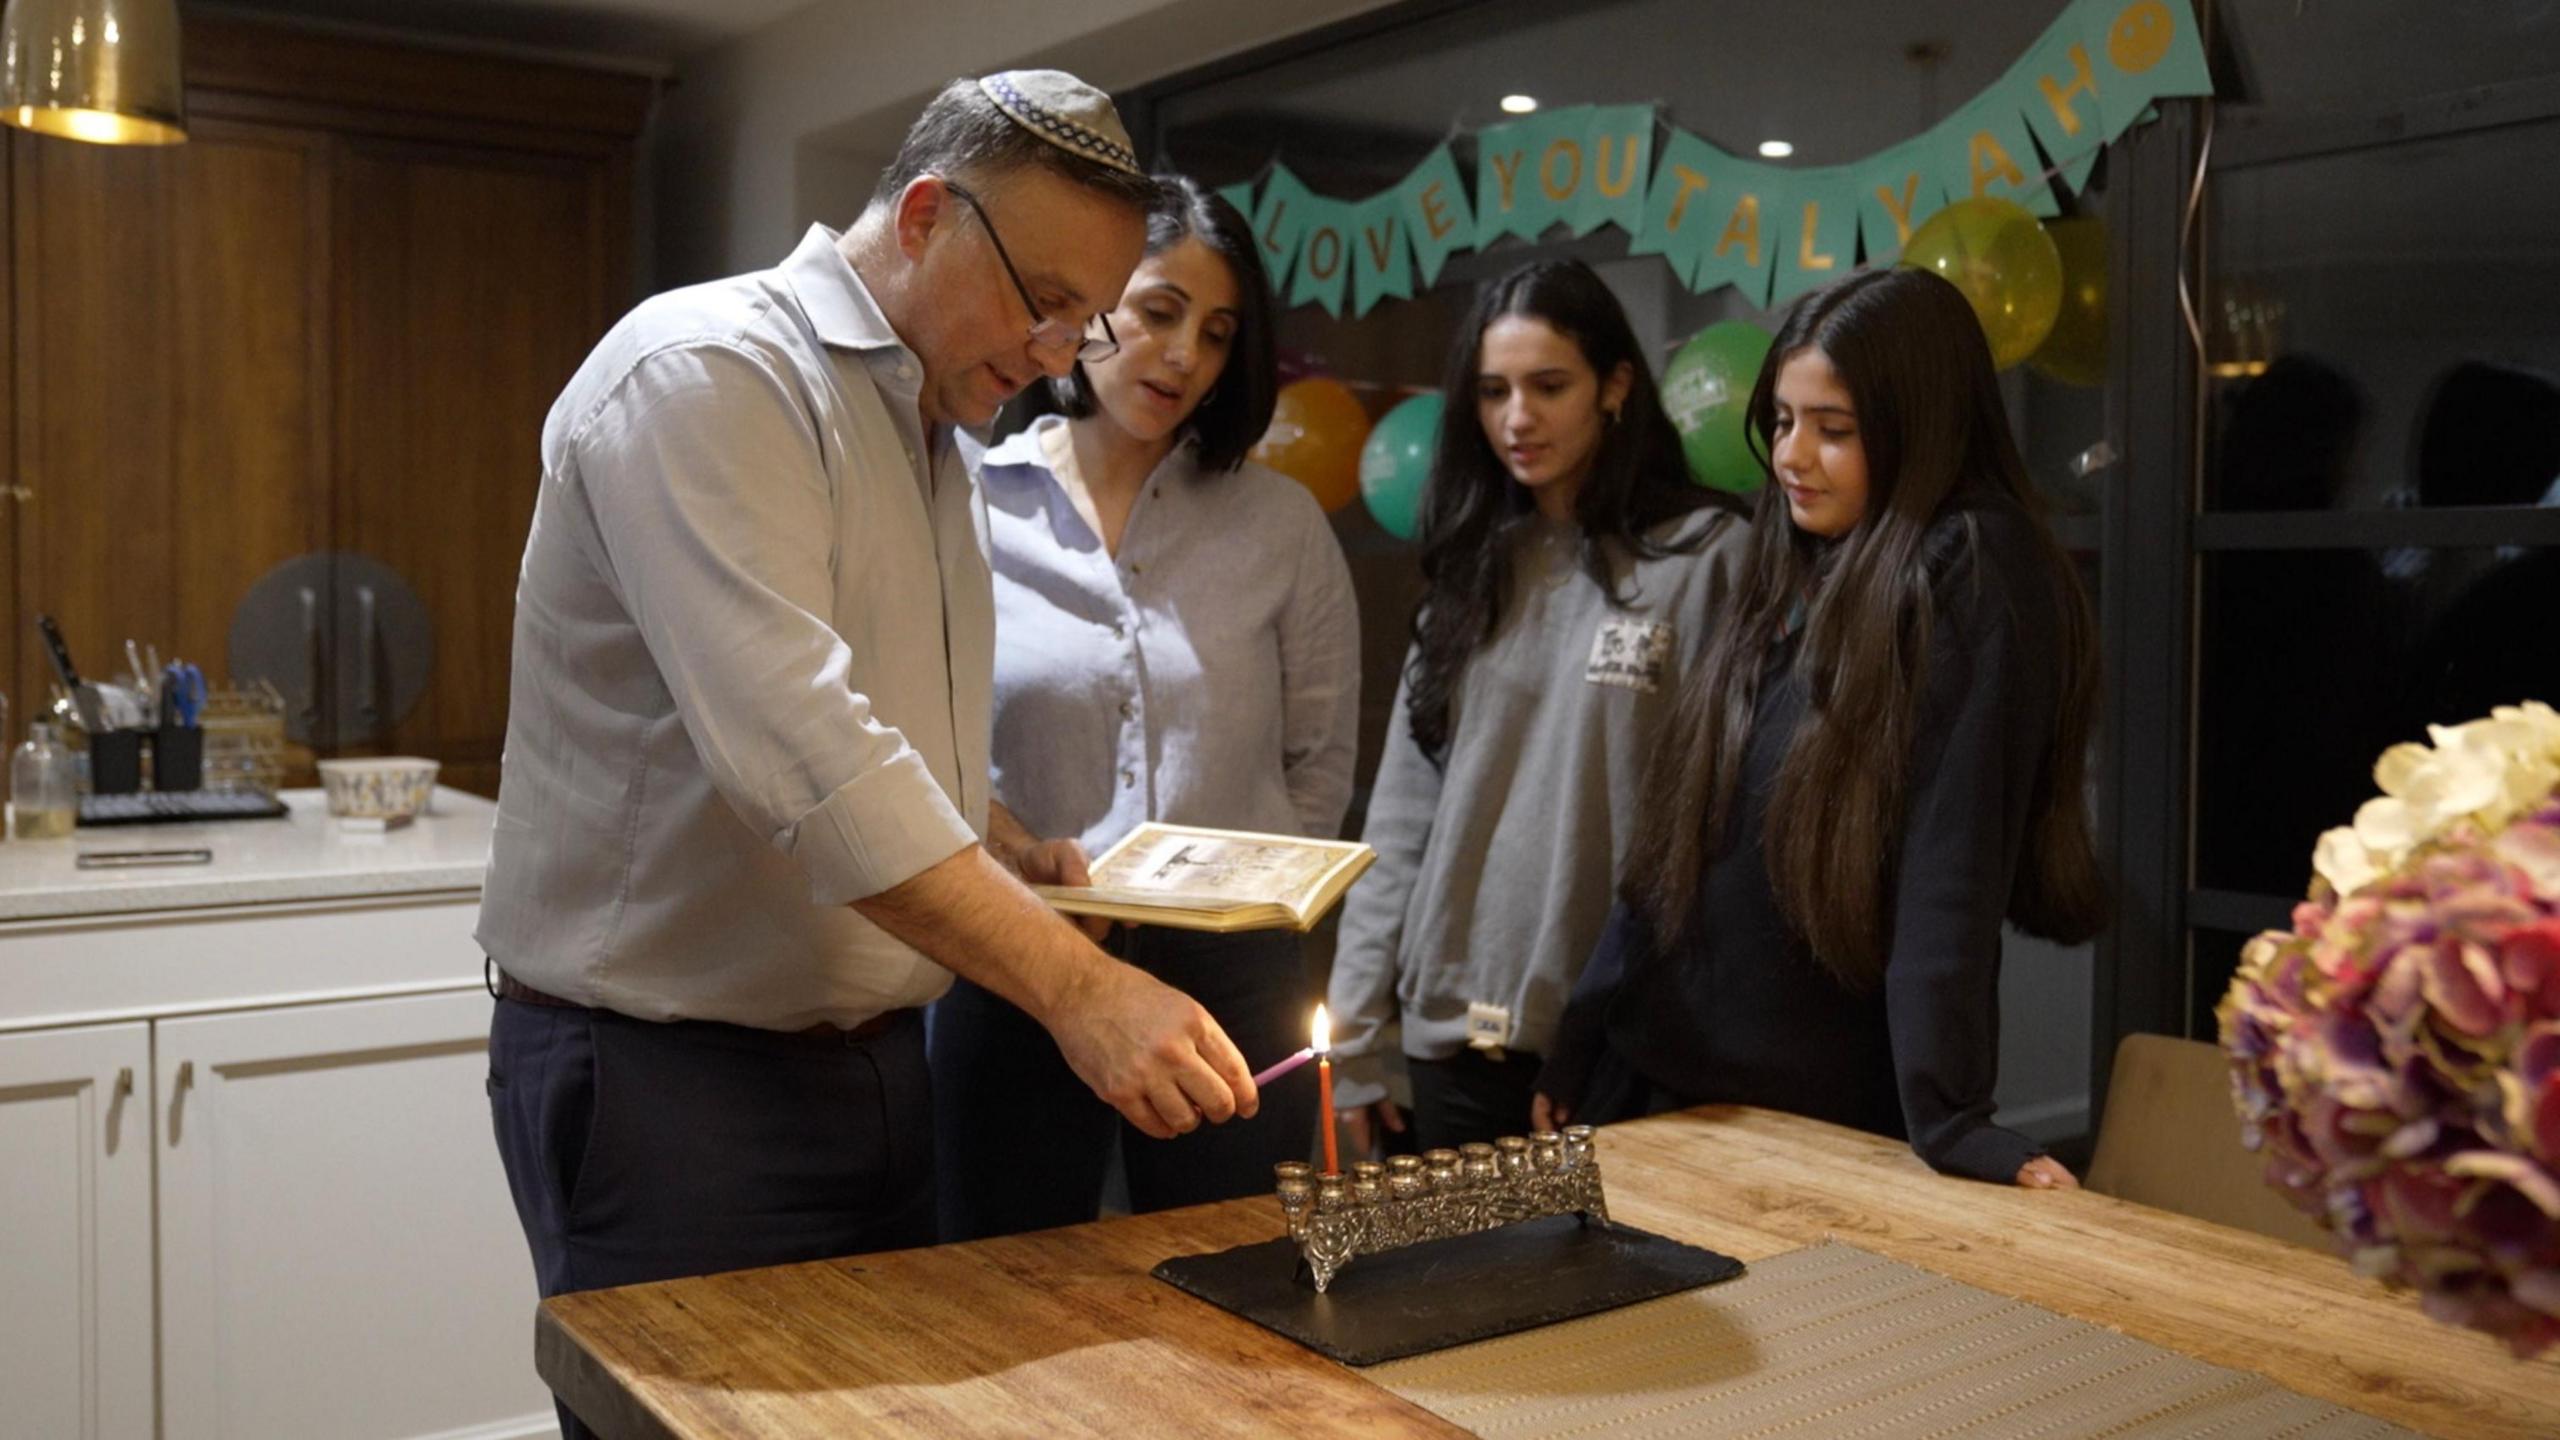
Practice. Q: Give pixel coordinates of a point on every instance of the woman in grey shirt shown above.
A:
(1570, 567)
(1176, 641)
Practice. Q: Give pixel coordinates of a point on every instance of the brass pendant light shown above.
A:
(99, 70)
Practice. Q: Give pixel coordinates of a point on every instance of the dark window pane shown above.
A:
(2378, 327)
(2216, 956)
(2313, 661)
(2291, 56)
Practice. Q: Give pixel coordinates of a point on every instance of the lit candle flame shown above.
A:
(1323, 1031)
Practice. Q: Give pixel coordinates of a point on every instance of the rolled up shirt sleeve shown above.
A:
(716, 511)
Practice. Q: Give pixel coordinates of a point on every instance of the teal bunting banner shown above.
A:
(1437, 218)
(1324, 254)
(1770, 231)
(1617, 151)
(1278, 219)
(1380, 266)
(1526, 171)
(1822, 233)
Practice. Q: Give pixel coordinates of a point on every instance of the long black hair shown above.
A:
(1938, 455)
(1238, 408)
(1473, 506)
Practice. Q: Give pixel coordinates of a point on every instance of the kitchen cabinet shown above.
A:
(269, 1074)
(75, 1232)
(338, 1255)
(326, 329)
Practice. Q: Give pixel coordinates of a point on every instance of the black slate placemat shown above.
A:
(1442, 1293)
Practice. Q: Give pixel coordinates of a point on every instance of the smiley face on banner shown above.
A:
(2141, 36)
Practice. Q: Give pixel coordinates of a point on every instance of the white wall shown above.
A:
(790, 125)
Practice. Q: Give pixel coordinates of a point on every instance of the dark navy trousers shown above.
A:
(1025, 1146)
(640, 1151)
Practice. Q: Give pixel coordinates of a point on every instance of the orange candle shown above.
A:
(1324, 1099)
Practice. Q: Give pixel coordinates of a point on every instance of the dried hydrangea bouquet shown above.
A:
(2397, 1052)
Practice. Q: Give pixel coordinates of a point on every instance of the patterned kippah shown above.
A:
(1066, 112)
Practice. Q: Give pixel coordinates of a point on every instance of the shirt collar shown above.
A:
(1022, 447)
(839, 305)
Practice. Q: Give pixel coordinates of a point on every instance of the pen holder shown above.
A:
(115, 762)
(177, 758)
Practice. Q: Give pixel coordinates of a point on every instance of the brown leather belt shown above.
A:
(511, 988)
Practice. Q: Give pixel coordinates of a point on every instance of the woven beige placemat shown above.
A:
(1832, 1341)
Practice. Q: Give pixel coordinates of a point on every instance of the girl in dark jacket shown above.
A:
(1878, 762)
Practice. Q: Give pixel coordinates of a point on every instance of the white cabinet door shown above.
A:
(338, 1255)
(75, 1232)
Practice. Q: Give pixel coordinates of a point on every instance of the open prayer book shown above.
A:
(1196, 879)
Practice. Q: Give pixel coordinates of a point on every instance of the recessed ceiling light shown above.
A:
(1776, 149)
(1519, 104)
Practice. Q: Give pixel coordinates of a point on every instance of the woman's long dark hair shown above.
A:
(1938, 448)
(1473, 507)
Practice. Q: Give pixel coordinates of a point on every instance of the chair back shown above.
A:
(2170, 1139)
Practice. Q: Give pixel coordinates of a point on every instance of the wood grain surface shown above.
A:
(1063, 1333)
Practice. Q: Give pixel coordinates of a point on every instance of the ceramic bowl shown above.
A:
(392, 787)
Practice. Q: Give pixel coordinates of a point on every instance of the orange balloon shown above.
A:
(1317, 428)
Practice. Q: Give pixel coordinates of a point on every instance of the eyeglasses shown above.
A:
(1046, 334)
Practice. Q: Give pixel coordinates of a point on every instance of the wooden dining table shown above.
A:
(1064, 1332)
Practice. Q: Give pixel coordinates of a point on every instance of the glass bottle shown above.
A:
(43, 794)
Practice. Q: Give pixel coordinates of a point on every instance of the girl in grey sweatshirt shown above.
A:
(1571, 569)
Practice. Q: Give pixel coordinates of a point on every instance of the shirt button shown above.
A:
(1128, 709)
(1128, 778)
(1119, 631)
(1137, 569)
(906, 371)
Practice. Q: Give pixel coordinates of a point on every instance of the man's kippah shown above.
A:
(1066, 112)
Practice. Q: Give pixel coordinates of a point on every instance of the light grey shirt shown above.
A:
(1209, 674)
(753, 649)
(1495, 868)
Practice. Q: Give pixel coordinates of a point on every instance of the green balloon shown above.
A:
(1395, 464)
(1706, 388)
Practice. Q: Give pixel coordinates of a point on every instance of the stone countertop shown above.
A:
(303, 856)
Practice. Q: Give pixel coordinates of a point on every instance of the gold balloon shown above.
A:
(2076, 352)
(1317, 428)
(1996, 253)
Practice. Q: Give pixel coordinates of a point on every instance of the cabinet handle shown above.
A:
(124, 1082)
(186, 1075)
(365, 707)
(311, 662)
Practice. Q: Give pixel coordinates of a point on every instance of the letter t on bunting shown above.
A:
(1676, 224)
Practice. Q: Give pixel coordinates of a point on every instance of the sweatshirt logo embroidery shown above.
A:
(1632, 653)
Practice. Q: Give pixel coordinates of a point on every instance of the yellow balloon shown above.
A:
(2076, 352)
(1317, 428)
(1996, 253)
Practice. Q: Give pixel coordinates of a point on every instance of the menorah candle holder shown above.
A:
(1438, 1194)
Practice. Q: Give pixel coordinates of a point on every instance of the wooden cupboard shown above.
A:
(327, 325)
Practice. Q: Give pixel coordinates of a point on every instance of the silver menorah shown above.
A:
(1437, 1194)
